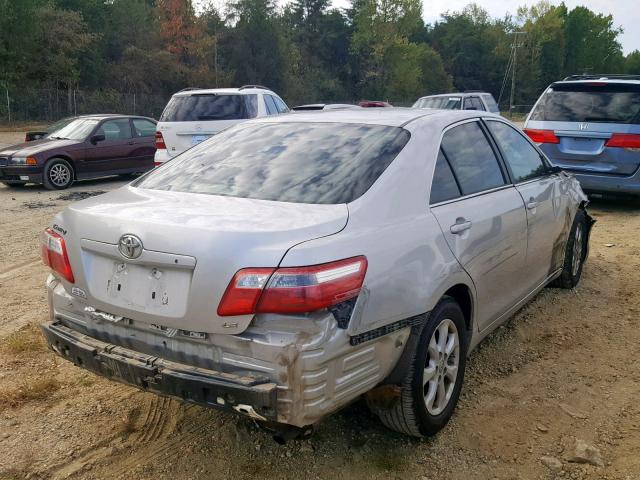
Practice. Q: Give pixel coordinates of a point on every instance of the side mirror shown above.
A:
(98, 137)
(553, 169)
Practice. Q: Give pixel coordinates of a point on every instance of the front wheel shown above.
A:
(58, 174)
(575, 253)
(432, 384)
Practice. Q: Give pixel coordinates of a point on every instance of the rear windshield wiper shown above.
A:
(60, 138)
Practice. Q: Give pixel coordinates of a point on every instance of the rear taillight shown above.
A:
(54, 254)
(542, 136)
(157, 164)
(160, 145)
(293, 289)
(624, 140)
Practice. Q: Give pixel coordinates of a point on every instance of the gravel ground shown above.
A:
(556, 386)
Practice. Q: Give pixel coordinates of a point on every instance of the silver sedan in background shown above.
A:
(289, 265)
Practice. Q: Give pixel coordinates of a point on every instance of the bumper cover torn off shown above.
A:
(251, 395)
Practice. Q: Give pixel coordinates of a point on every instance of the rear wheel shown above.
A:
(431, 387)
(575, 253)
(58, 174)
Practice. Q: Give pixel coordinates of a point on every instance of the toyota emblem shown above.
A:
(130, 246)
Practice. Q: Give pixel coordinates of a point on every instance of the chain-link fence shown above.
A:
(47, 105)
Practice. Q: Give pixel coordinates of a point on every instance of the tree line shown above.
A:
(306, 50)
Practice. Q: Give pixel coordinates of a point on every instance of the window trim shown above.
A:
(543, 159)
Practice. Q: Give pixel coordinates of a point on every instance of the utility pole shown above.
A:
(515, 45)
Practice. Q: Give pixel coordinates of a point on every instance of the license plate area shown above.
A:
(156, 290)
(196, 139)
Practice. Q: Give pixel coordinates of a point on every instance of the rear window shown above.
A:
(444, 103)
(209, 106)
(321, 163)
(590, 102)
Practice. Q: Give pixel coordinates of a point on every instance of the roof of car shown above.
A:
(393, 116)
(572, 81)
(101, 116)
(457, 94)
(245, 90)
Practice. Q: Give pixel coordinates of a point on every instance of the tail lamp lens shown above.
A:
(293, 289)
(624, 140)
(160, 145)
(54, 254)
(542, 136)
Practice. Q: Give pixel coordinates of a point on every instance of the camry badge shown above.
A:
(130, 246)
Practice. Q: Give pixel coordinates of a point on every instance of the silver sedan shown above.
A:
(289, 265)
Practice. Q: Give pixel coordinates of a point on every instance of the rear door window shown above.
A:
(472, 159)
(491, 103)
(444, 186)
(322, 163)
(280, 105)
(209, 106)
(271, 105)
(144, 128)
(116, 129)
(589, 102)
(523, 160)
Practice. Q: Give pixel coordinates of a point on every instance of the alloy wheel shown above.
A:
(441, 368)
(60, 175)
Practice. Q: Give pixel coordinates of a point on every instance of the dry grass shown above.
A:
(37, 389)
(27, 339)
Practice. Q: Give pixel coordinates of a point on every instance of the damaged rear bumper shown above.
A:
(251, 395)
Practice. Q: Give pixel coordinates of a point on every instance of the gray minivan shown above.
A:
(590, 125)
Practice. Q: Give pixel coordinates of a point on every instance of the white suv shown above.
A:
(193, 115)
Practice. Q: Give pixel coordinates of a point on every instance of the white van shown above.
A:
(193, 115)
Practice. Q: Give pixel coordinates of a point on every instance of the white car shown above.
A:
(193, 115)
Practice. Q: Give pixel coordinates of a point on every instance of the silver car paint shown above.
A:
(411, 265)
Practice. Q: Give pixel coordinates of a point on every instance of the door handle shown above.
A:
(532, 205)
(460, 226)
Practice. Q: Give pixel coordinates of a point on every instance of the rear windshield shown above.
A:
(444, 103)
(324, 163)
(590, 102)
(209, 106)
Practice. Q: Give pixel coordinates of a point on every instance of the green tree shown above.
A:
(255, 44)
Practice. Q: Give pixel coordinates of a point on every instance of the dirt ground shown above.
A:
(564, 370)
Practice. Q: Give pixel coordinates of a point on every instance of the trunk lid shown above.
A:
(193, 244)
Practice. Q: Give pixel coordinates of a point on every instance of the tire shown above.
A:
(58, 174)
(575, 253)
(410, 413)
(14, 184)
